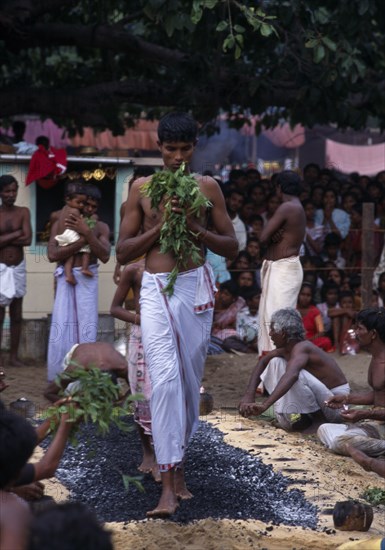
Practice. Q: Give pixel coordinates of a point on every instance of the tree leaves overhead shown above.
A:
(90, 62)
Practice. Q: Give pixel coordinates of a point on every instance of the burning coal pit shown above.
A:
(226, 482)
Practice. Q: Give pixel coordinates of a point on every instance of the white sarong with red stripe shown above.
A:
(175, 335)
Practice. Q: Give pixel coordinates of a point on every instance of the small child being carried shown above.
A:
(75, 199)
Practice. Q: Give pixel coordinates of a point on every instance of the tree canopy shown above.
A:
(90, 62)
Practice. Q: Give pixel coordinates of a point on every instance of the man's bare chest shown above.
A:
(10, 221)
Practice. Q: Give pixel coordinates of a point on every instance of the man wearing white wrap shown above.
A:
(15, 233)
(298, 376)
(176, 329)
(281, 273)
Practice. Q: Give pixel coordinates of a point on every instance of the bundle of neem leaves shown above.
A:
(175, 237)
(94, 399)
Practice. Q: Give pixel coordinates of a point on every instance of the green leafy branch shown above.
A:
(374, 495)
(175, 237)
(94, 398)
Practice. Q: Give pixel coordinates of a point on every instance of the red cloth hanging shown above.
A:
(46, 165)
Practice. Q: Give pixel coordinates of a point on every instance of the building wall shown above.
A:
(38, 301)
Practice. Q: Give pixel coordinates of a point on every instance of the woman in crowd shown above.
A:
(312, 319)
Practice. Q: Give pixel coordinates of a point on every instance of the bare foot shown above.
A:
(156, 473)
(147, 464)
(71, 281)
(181, 490)
(358, 456)
(87, 273)
(167, 506)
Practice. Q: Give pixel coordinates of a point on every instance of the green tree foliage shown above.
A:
(91, 62)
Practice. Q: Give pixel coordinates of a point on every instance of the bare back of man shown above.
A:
(288, 224)
(101, 355)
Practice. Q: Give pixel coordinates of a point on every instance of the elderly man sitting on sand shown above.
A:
(298, 376)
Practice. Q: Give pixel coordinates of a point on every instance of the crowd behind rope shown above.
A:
(331, 254)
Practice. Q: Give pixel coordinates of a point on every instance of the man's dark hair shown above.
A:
(92, 192)
(42, 140)
(177, 126)
(68, 526)
(5, 180)
(373, 318)
(17, 442)
(289, 182)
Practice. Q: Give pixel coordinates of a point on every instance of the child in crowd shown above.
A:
(253, 247)
(332, 250)
(314, 233)
(329, 295)
(224, 335)
(347, 341)
(244, 280)
(256, 226)
(312, 319)
(247, 324)
(75, 199)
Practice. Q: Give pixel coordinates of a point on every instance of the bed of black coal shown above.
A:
(227, 482)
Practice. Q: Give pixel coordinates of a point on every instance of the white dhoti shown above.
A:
(175, 334)
(139, 379)
(281, 282)
(368, 437)
(13, 282)
(307, 395)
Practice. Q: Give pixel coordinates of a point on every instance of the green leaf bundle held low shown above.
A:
(175, 236)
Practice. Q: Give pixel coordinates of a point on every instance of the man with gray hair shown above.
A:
(298, 376)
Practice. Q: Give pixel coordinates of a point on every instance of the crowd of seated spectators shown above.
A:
(331, 253)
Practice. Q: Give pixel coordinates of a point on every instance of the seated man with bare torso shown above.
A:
(368, 437)
(298, 376)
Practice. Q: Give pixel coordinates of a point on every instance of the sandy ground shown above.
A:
(324, 477)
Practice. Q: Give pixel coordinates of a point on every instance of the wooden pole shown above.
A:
(367, 266)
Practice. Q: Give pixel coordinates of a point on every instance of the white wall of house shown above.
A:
(38, 301)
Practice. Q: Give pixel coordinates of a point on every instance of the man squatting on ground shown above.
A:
(298, 376)
(176, 329)
(15, 233)
(367, 431)
(281, 273)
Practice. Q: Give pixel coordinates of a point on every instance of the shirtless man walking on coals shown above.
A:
(176, 329)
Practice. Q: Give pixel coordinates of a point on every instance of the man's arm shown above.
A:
(25, 238)
(46, 467)
(274, 224)
(117, 310)
(130, 245)
(255, 378)
(222, 240)
(58, 253)
(294, 367)
(338, 401)
(356, 415)
(97, 238)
